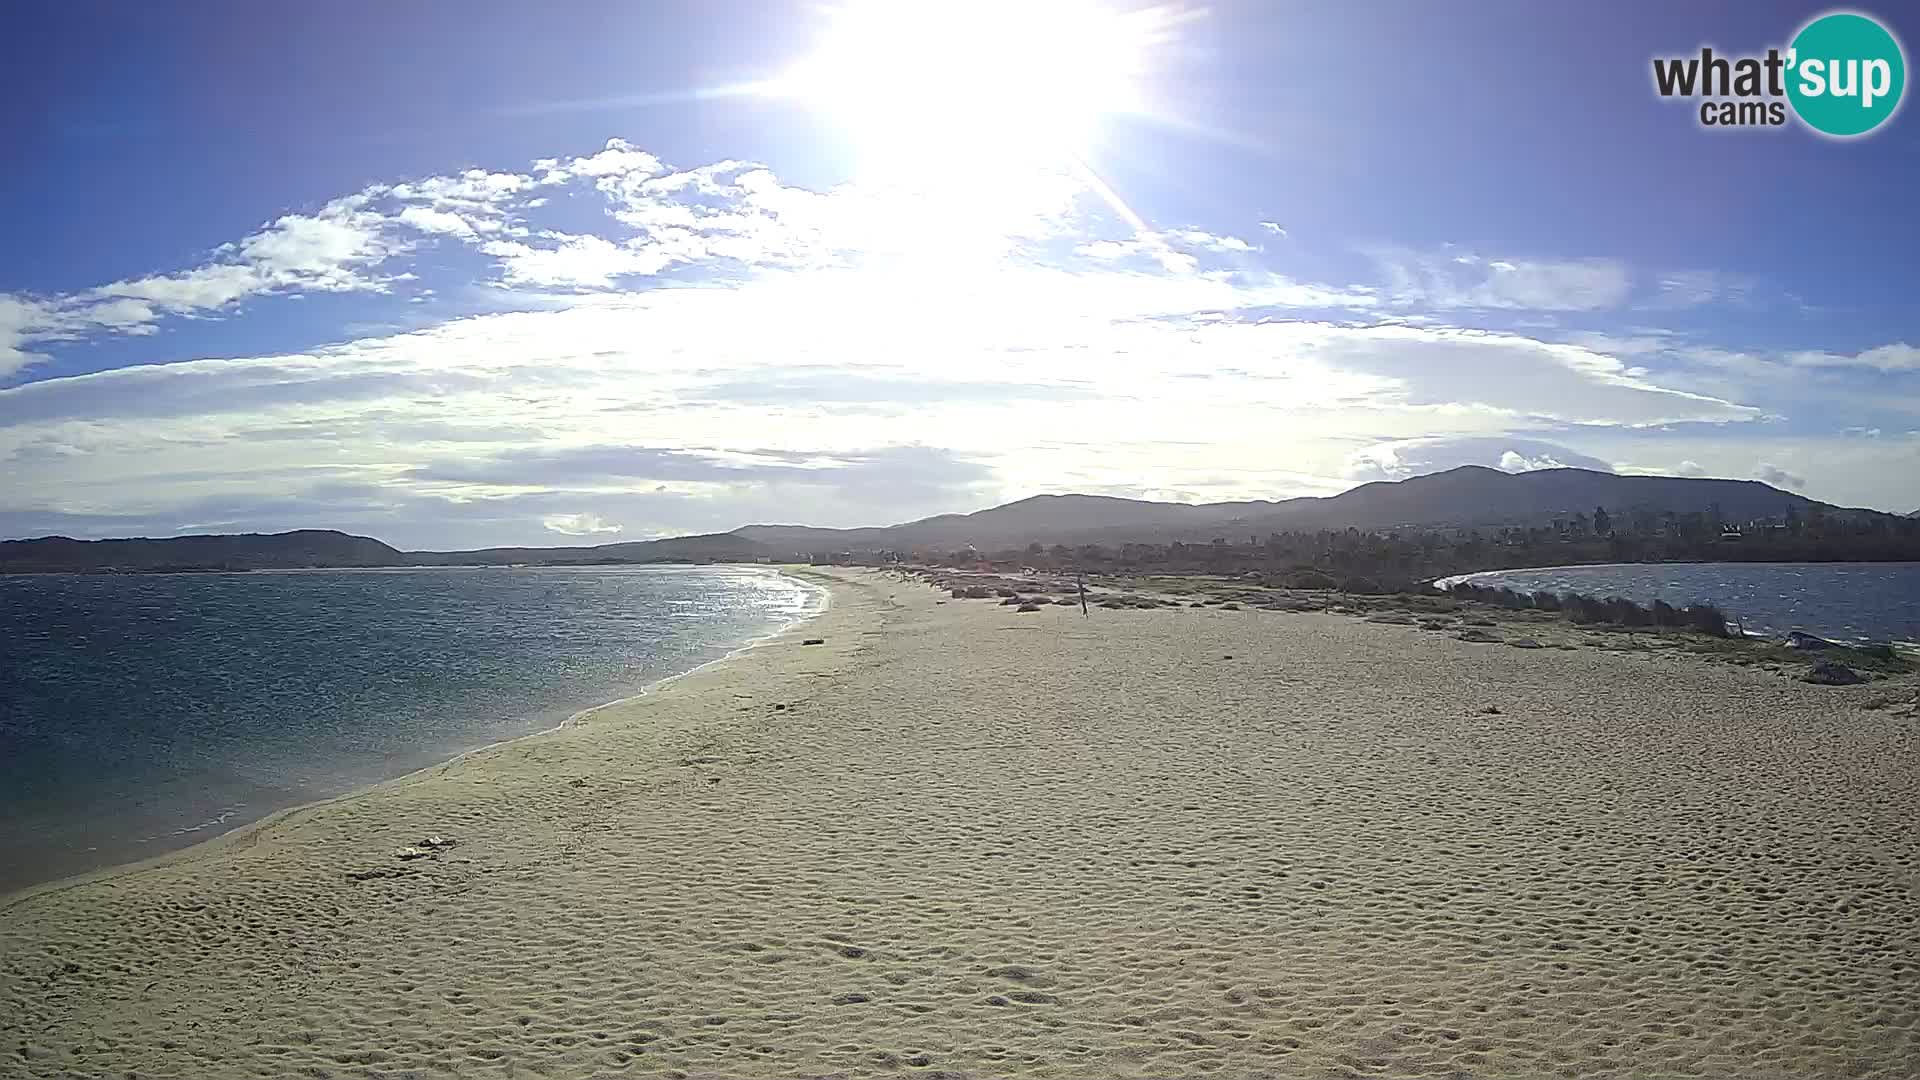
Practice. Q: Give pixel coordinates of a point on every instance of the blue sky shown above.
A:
(457, 275)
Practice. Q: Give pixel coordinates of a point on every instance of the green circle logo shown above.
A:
(1845, 74)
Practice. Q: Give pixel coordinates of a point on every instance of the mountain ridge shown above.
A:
(1467, 496)
(1464, 497)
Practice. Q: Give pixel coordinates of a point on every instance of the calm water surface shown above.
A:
(1844, 601)
(143, 713)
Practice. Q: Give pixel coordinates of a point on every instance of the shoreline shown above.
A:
(1647, 596)
(821, 602)
(964, 839)
(1686, 562)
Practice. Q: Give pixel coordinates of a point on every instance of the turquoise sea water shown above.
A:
(1843, 601)
(144, 713)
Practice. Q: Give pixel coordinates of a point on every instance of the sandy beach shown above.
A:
(958, 840)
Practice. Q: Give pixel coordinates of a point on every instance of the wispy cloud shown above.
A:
(1897, 357)
(1695, 288)
(341, 247)
(333, 250)
(1449, 280)
(1416, 457)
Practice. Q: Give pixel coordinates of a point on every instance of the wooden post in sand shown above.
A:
(1082, 579)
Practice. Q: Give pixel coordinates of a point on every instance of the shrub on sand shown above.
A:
(1707, 619)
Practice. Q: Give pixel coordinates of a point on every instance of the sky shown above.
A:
(456, 275)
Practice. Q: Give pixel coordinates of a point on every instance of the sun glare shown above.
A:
(918, 84)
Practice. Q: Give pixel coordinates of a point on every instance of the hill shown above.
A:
(1469, 496)
(325, 548)
(713, 547)
(249, 551)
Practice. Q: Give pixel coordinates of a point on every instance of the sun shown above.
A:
(917, 83)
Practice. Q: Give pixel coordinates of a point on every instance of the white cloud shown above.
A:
(1417, 457)
(316, 252)
(1110, 249)
(1201, 240)
(578, 261)
(1447, 281)
(1177, 251)
(1693, 288)
(333, 250)
(1528, 379)
(428, 219)
(475, 190)
(1640, 343)
(619, 158)
(1898, 356)
(1833, 467)
(1514, 462)
(22, 320)
(339, 248)
(578, 525)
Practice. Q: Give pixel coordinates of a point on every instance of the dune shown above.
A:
(957, 839)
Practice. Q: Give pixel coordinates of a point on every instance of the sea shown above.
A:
(1840, 601)
(143, 713)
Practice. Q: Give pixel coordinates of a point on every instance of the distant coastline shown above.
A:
(1844, 601)
(1387, 532)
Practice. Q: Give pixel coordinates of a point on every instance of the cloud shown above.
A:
(910, 471)
(1418, 457)
(1513, 462)
(21, 320)
(1830, 466)
(858, 388)
(340, 247)
(603, 464)
(1514, 374)
(1202, 240)
(333, 250)
(1177, 251)
(1897, 357)
(1439, 280)
(1638, 342)
(475, 191)
(330, 251)
(201, 388)
(578, 525)
(1779, 477)
(445, 222)
(618, 158)
(578, 261)
(1694, 288)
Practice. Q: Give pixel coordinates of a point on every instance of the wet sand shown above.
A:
(959, 840)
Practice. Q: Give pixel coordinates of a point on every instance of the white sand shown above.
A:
(981, 843)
